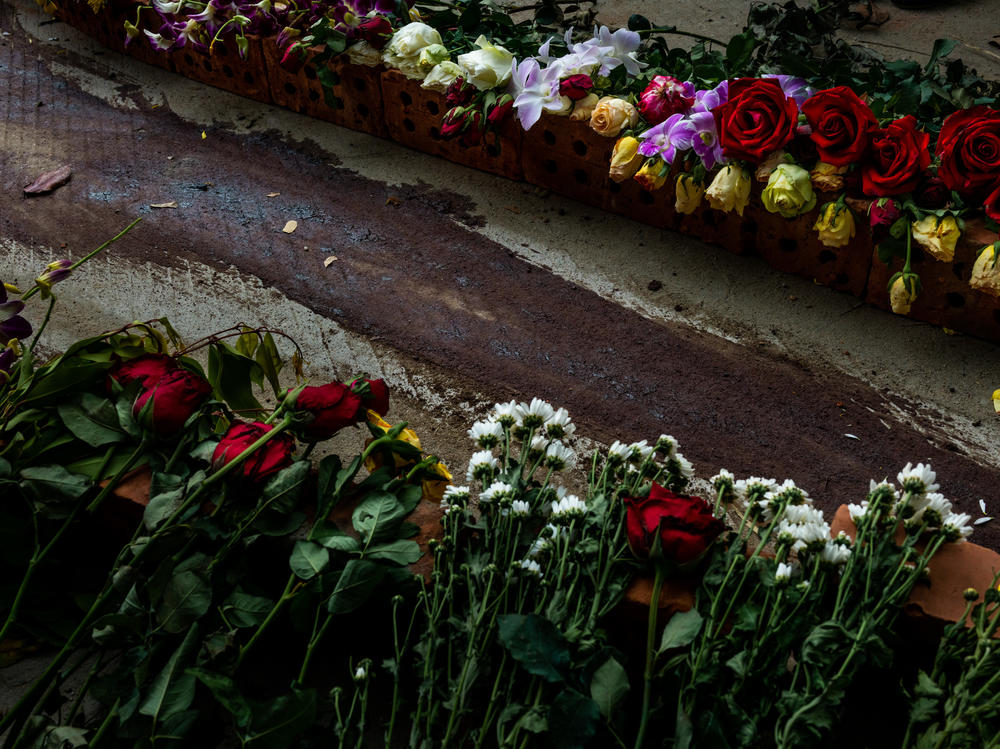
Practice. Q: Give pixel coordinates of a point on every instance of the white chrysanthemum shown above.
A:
(546, 537)
(486, 434)
(956, 526)
(481, 463)
(360, 673)
(559, 424)
(496, 491)
(618, 452)
(520, 509)
(639, 451)
(505, 413)
(558, 456)
(538, 444)
(835, 554)
(456, 494)
(811, 535)
(666, 445)
(783, 573)
(803, 514)
(569, 506)
(682, 466)
(918, 479)
(857, 511)
(723, 478)
(933, 509)
(535, 414)
(530, 566)
(792, 494)
(755, 488)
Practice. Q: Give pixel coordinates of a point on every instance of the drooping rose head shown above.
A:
(576, 86)
(835, 225)
(882, 214)
(146, 369)
(729, 190)
(501, 111)
(175, 397)
(685, 526)
(264, 462)
(896, 157)
(969, 147)
(327, 409)
(376, 31)
(664, 96)
(625, 159)
(839, 122)
(757, 119)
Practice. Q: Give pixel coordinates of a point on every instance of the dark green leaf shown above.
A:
(942, 48)
(245, 610)
(308, 559)
(186, 597)
(172, 691)
(377, 517)
(572, 720)
(356, 584)
(270, 362)
(226, 694)
(535, 643)
(680, 630)
(283, 490)
(231, 375)
(335, 539)
(399, 552)
(276, 723)
(608, 685)
(92, 419)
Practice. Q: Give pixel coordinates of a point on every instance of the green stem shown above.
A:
(291, 589)
(647, 677)
(672, 31)
(45, 322)
(105, 725)
(311, 647)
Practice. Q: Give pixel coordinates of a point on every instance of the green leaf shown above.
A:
(942, 48)
(269, 360)
(90, 465)
(60, 737)
(535, 643)
(608, 685)
(308, 559)
(335, 539)
(245, 610)
(167, 495)
(186, 597)
(172, 691)
(378, 516)
(326, 476)
(226, 694)
(680, 630)
(231, 375)
(572, 720)
(45, 482)
(276, 723)
(355, 586)
(92, 419)
(399, 552)
(283, 490)
(63, 375)
(738, 52)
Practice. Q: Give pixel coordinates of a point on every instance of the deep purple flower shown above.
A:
(53, 274)
(12, 325)
(7, 359)
(706, 139)
(793, 87)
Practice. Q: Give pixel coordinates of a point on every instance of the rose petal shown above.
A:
(49, 181)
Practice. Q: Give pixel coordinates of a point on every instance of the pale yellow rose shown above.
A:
(584, 108)
(827, 177)
(431, 55)
(996, 401)
(486, 67)
(730, 190)
(903, 292)
(789, 191)
(410, 40)
(986, 271)
(653, 174)
(441, 76)
(362, 53)
(689, 194)
(937, 236)
(611, 115)
(835, 225)
(625, 159)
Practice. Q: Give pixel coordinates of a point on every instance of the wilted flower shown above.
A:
(938, 236)
(730, 190)
(827, 177)
(12, 325)
(835, 225)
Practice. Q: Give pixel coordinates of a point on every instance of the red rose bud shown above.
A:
(453, 122)
(265, 461)
(882, 215)
(663, 97)
(458, 93)
(376, 31)
(576, 87)
(146, 369)
(473, 133)
(932, 192)
(375, 397)
(175, 396)
(332, 407)
(292, 60)
(684, 525)
(501, 111)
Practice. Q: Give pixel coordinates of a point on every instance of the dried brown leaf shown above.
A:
(49, 181)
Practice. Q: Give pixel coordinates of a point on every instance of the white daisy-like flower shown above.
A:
(537, 447)
(560, 425)
(639, 451)
(486, 434)
(558, 456)
(530, 566)
(618, 452)
(535, 414)
(568, 507)
(456, 494)
(858, 511)
(792, 494)
(360, 673)
(755, 488)
(811, 535)
(835, 554)
(520, 509)
(666, 445)
(934, 508)
(481, 464)
(956, 526)
(496, 491)
(803, 514)
(918, 479)
(803, 586)
(682, 466)
(783, 573)
(505, 413)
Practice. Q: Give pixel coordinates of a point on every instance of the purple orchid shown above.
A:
(12, 325)
(7, 359)
(534, 89)
(793, 88)
(676, 133)
(706, 139)
(708, 99)
(623, 44)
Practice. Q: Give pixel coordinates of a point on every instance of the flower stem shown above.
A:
(647, 677)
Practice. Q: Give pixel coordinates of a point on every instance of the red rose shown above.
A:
(882, 217)
(969, 147)
(931, 192)
(376, 31)
(576, 87)
(991, 204)
(454, 121)
(840, 123)
(332, 407)
(473, 133)
(145, 369)
(458, 93)
(267, 460)
(757, 120)
(377, 397)
(897, 156)
(176, 395)
(685, 525)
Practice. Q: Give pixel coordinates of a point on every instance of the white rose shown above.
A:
(411, 39)
(487, 67)
(433, 54)
(441, 76)
(363, 53)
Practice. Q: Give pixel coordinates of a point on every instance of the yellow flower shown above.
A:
(689, 194)
(835, 225)
(937, 236)
(903, 293)
(653, 174)
(827, 177)
(789, 191)
(612, 115)
(986, 271)
(730, 190)
(432, 489)
(625, 159)
(996, 401)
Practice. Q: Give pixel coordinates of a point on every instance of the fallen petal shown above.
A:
(49, 181)
(291, 226)
(273, 194)
(980, 521)
(982, 506)
(331, 259)
(171, 204)
(852, 436)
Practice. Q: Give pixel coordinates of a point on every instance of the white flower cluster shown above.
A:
(918, 504)
(568, 507)
(803, 528)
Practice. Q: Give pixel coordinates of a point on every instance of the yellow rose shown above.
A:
(625, 159)
(432, 488)
(996, 401)
(835, 225)
(611, 115)
(584, 108)
(903, 292)
(689, 194)
(730, 190)
(789, 191)
(986, 271)
(937, 236)
(653, 174)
